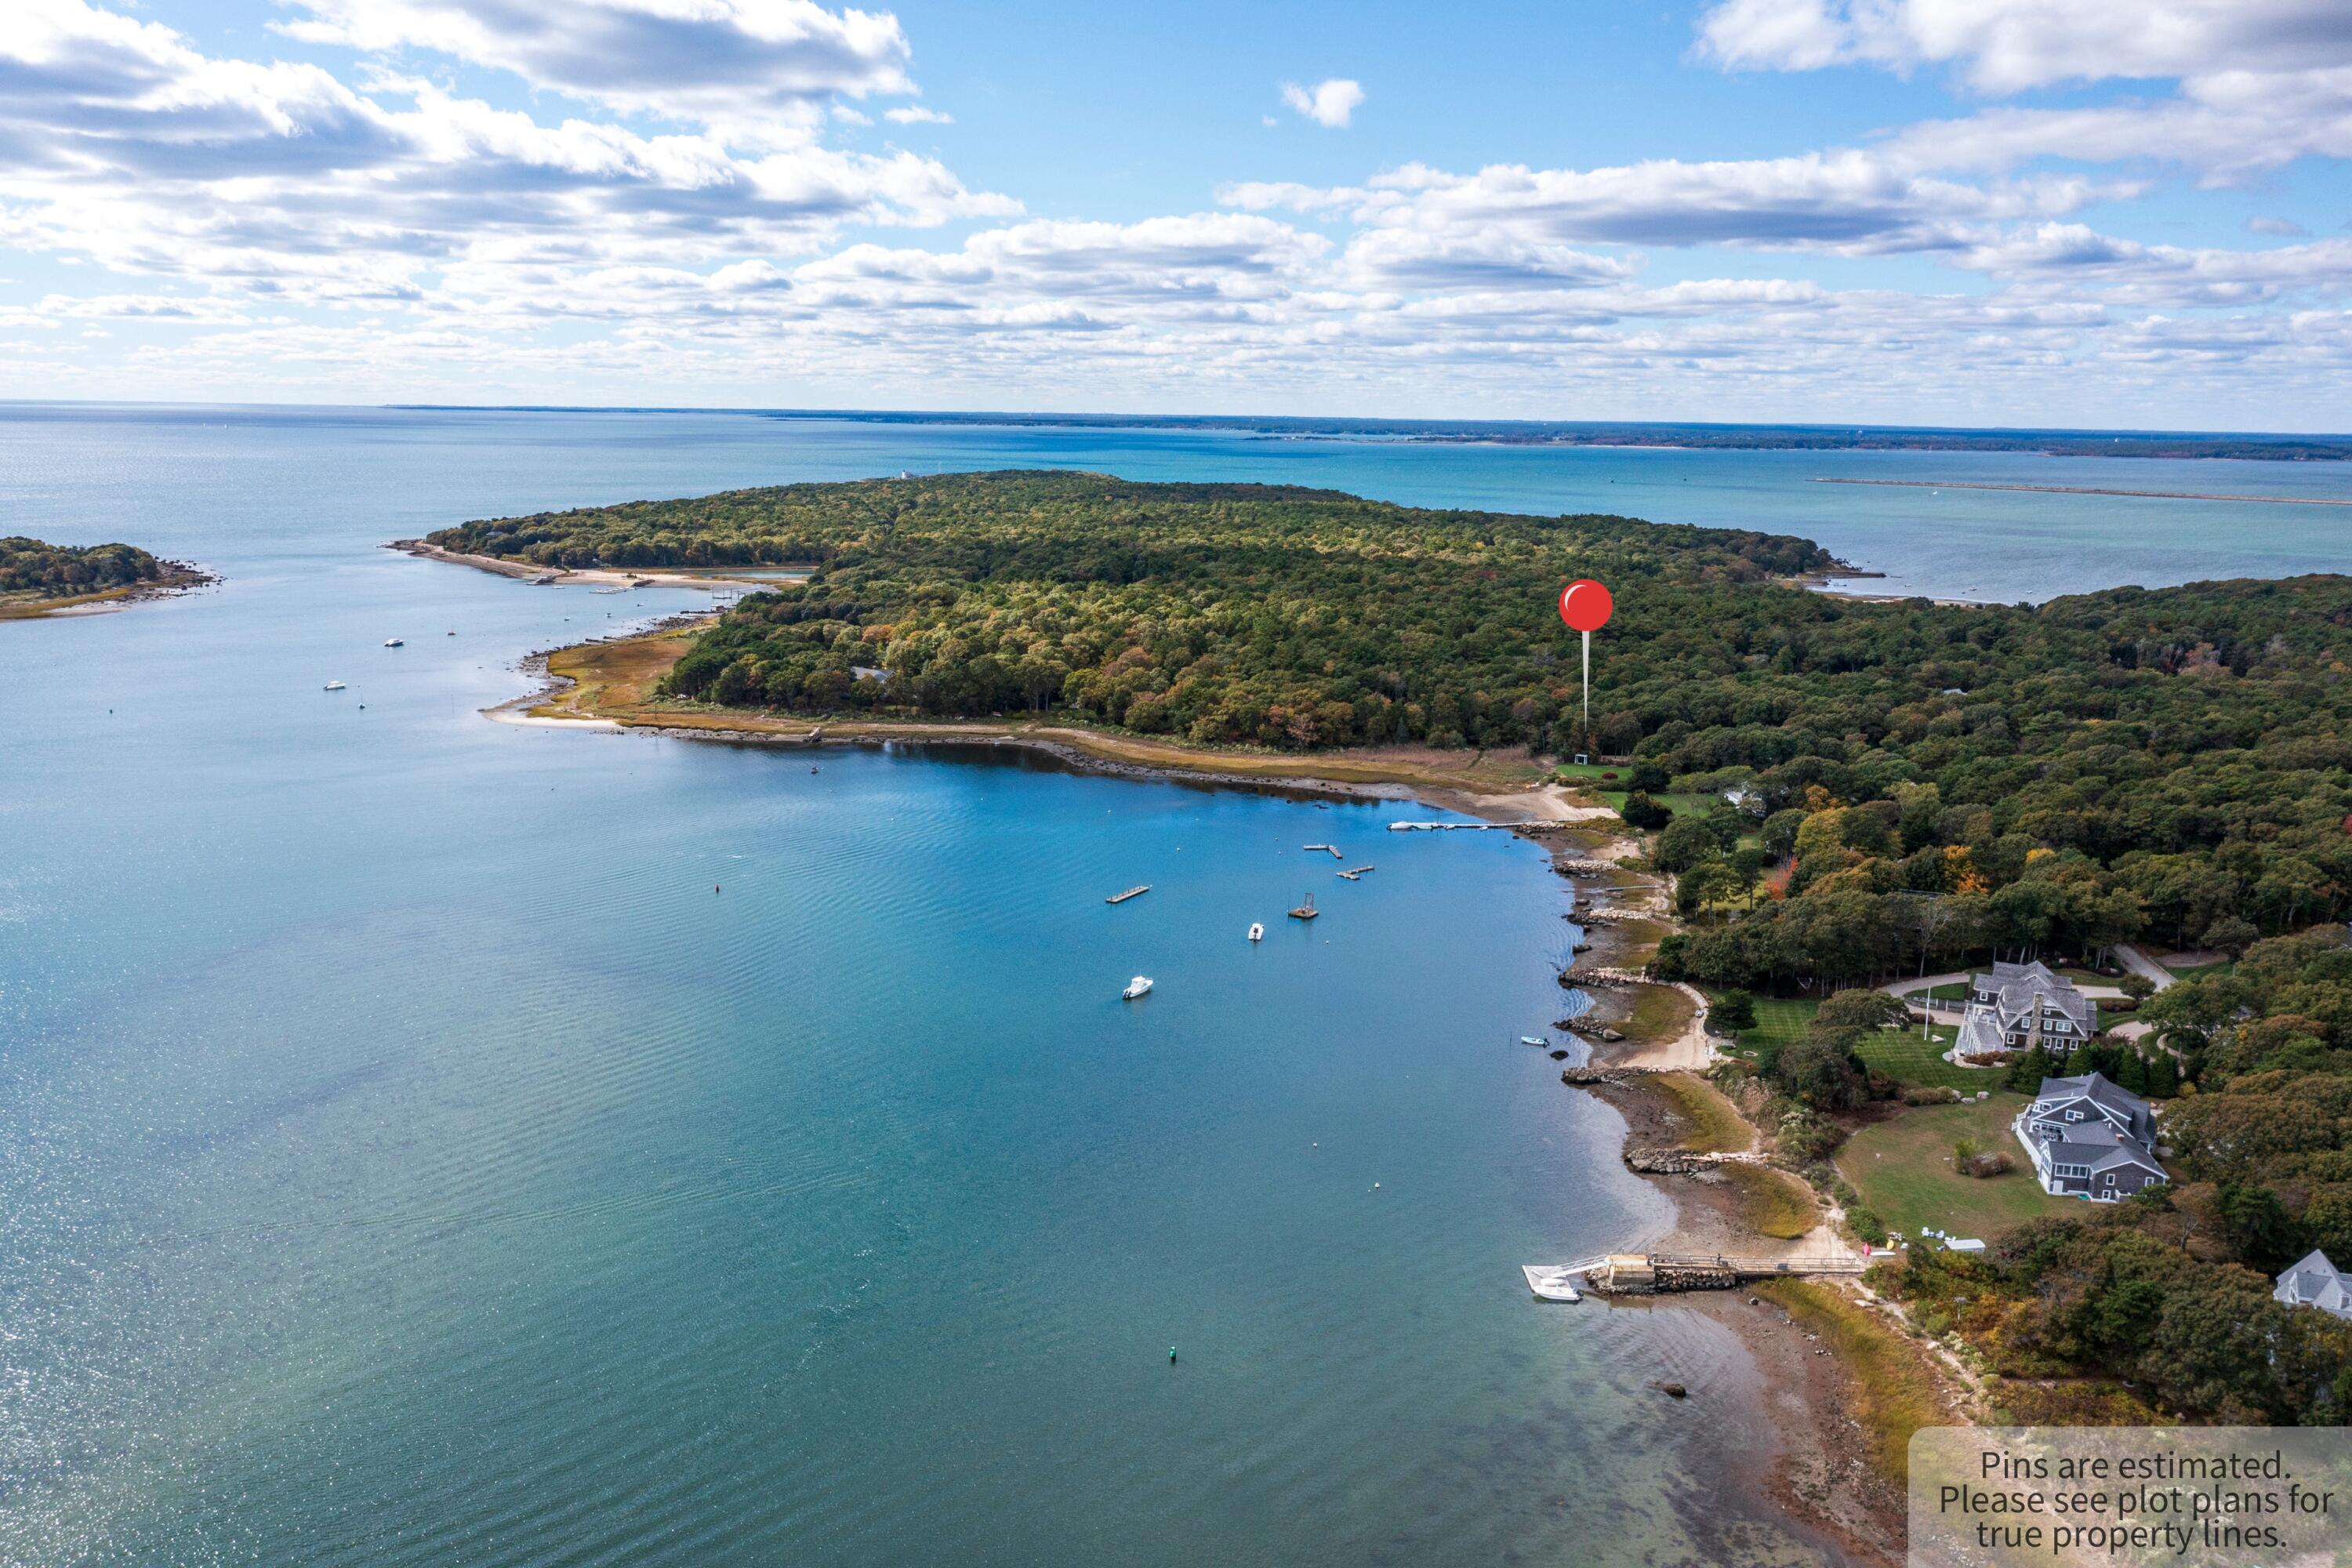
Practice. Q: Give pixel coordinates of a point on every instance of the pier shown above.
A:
(1664, 1273)
(1540, 825)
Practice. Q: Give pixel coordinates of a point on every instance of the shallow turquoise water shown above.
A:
(407, 1156)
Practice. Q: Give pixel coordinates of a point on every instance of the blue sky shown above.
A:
(1930, 211)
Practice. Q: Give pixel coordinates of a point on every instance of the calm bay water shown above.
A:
(406, 1154)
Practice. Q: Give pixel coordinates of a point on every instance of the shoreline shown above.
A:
(1815, 1477)
(652, 577)
(179, 577)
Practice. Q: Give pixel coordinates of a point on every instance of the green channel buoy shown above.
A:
(1172, 1352)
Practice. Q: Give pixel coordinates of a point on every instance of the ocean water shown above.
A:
(424, 1139)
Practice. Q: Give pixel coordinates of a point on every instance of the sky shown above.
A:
(2104, 213)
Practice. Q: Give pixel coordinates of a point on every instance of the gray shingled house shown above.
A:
(2315, 1282)
(2090, 1138)
(2018, 1006)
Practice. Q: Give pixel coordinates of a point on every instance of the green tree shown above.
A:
(1733, 1012)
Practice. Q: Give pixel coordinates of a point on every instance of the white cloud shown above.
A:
(2259, 82)
(755, 69)
(1328, 103)
(2275, 226)
(376, 232)
(916, 114)
(2009, 46)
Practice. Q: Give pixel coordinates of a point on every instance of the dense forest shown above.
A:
(62, 571)
(1864, 787)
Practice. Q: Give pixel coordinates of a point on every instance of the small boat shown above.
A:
(334, 686)
(1550, 1284)
(393, 642)
(1533, 1040)
(1258, 931)
(1138, 986)
(1306, 911)
(1135, 892)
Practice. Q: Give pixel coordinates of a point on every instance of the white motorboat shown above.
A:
(1258, 931)
(334, 686)
(1533, 1040)
(1138, 986)
(393, 642)
(1550, 1284)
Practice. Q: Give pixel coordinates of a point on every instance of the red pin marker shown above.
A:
(1586, 606)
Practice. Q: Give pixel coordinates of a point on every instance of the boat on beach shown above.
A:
(1257, 930)
(1138, 986)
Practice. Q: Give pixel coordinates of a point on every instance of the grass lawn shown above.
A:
(1903, 1169)
(1680, 804)
(1957, 991)
(1904, 1057)
(1777, 1021)
(2224, 967)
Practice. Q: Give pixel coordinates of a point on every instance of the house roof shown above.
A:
(2022, 988)
(2096, 1087)
(2317, 1283)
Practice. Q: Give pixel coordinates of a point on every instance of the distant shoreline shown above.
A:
(179, 577)
(2086, 491)
(2210, 445)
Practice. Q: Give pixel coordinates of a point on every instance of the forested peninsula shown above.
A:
(1842, 791)
(37, 578)
(2170, 764)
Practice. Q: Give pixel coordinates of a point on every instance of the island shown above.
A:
(1815, 839)
(40, 579)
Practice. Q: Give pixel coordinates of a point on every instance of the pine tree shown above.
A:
(2131, 1071)
(2084, 1060)
(2025, 1076)
(2163, 1076)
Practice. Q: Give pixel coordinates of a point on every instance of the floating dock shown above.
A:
(1352, 873)
(1334, 848)
(1135, 892)
(1306, 911)
(1540, 825)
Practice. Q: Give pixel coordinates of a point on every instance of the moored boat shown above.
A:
(1550, 1284)
(334, 686)
(1138, 986)
(1306, 911)
(1258, 931)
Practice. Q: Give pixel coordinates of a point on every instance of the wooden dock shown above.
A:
(1135, 892)
(1334, 848)
(1306, 911)
(1353, 872)
(1538, 826)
